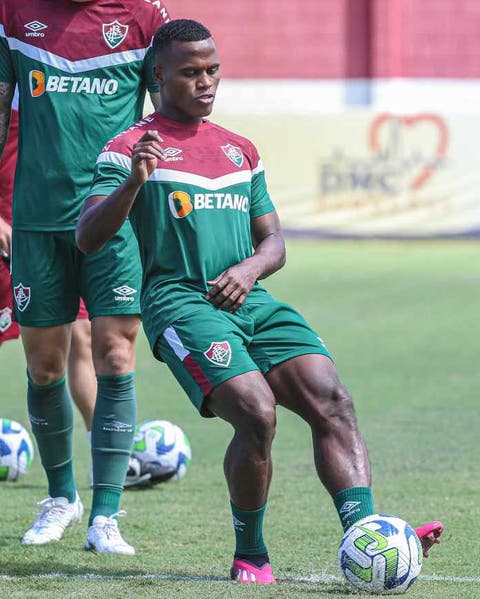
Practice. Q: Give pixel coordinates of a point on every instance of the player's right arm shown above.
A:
(103, 215)
(6, 97)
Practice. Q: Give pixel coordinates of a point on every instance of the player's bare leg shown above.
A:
(309, 386)
(113, 343)
(51, 416)
(81, 372)
(247, 403)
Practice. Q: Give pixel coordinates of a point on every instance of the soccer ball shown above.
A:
(380, 554)
(162, 449)
(16, 450)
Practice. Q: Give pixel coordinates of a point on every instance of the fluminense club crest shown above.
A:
(22, 296)
(234, 154)
(5, 319)
(219, 353)
(114, 33)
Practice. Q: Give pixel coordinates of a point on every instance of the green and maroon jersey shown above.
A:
(192, 217)
(82, 71)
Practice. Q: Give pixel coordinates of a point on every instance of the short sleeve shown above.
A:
(108, 174)
(261, 202)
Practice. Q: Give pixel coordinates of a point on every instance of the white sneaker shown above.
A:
(103, 536)
(57, 513)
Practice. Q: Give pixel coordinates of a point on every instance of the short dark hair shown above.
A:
(179, 30)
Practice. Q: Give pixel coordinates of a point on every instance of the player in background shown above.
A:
(81, 374)
(82, 70)
(235, 349)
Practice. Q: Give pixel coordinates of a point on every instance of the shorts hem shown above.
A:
(93, 315)
(296, 354)
(201, 398)
(41, 324)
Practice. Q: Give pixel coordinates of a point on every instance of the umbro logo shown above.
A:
(35, 29)
(37, 421)
(238, 524)
(172, 155)
(349, 507)
(124, 293)
(115, 426)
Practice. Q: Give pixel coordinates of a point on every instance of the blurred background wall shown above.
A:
(365, 111)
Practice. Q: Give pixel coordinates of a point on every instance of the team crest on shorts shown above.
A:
(22, 296)
(114, 33)
(219, 353)
(5, 319)
(234, 154)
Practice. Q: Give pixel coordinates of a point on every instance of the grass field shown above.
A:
(402, 323)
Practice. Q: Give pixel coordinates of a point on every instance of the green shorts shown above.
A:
(208, 347)
(50, 274)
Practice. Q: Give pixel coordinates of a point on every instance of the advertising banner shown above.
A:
(364, 174)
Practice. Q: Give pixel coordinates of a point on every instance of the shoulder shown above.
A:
(122, 144)
(233, 142)
(152, 14)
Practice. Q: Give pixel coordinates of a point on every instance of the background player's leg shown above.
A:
(309, 386)
(51, 416)
(81, 372)
(113, 343)
(247, 403)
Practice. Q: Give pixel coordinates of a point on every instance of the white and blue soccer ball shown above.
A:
(163, 449)
(380, 554)
(16, 450)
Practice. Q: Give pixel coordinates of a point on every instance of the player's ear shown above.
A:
(158, 74)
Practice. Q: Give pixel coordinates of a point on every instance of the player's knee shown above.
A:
(335, 405)
(259, 423)
(46, 372)
(115, 355)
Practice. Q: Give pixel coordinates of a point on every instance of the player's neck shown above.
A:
(180, 117)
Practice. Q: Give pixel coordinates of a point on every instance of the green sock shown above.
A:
(353, 504)
(248, 525)
(112, 437)
(51, 416)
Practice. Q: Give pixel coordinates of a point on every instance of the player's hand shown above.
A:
(230, 289)
(5, 237)
(146, 152)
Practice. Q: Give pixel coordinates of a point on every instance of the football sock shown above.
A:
(248, 525)
(353, 504)
(51, 416)
(112, 437)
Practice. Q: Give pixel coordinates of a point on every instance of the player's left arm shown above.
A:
(230, 289)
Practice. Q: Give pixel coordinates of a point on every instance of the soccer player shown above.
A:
(82, 69)
(81, 374)
(197, 210)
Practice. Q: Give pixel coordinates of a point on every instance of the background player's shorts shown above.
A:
(208, 347)
(49, 275)
(8, 328)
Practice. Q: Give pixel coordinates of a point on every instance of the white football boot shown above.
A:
(103, 536)
(56, 515)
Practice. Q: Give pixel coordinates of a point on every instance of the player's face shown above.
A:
(188, 76)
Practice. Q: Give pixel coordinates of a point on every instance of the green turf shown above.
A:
(402, 323)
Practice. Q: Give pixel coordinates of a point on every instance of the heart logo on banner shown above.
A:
(409, 124)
